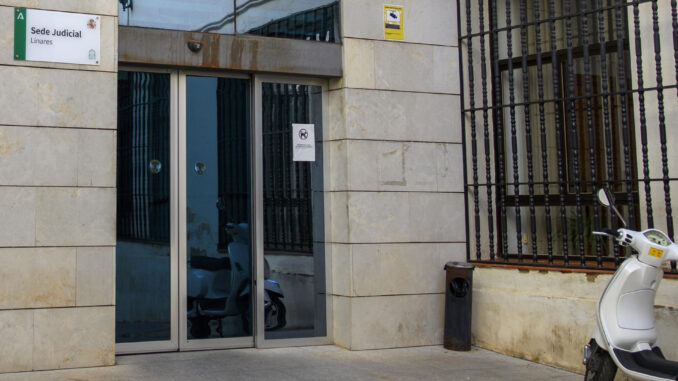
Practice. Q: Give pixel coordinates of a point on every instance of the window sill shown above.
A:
(557, 267)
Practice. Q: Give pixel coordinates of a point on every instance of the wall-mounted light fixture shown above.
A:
(194, 46)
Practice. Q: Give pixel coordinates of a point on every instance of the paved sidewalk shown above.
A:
(313, 363)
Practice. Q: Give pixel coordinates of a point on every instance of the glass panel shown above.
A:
(218, 283)
(143, 212)
(294, 254)
(215, 16)
(316, 20)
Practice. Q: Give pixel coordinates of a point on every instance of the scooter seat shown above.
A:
(210, 264)
(650, 362)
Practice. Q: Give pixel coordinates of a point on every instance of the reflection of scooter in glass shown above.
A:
(625, 332)
(220, 287)
(274, 309)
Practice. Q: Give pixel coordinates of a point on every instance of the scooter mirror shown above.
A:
(602, 197)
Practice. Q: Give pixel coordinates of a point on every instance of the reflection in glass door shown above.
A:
(293, 305)
(184, 273)
(217, 209)
(185, 206)
(144, 284)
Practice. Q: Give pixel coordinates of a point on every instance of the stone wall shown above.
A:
(548, 316)
(396, 176)
(57, 199)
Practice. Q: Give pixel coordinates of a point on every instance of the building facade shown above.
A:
(157, 204)
(265, 173)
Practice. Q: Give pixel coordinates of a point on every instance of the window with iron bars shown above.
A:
(561, 98)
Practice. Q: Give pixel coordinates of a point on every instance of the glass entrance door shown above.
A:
(184, 268)
(194, 232)
(292, 300)
(214, 212)
(146, 249)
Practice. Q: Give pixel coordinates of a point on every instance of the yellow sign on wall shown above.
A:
(393, 22)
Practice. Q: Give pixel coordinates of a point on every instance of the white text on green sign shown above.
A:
(57, 37)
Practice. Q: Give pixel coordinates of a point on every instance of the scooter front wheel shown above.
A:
(600, 367)
(200, 327)
(275, 314)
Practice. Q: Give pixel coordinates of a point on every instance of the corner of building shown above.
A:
(397, 186)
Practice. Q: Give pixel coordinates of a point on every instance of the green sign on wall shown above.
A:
(51, 36)
(20, 34)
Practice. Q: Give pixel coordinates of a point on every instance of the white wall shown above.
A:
(548, 316)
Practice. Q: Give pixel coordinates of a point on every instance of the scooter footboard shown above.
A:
(648, 363)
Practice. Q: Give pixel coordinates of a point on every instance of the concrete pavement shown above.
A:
(312, 363)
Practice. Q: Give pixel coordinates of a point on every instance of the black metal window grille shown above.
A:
(143, 205)
(288, 214)
(233, 129)
(560, 98)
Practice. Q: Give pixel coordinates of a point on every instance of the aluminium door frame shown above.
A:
(258, 211)
(178, 267)
(200, 344)
(173, 343)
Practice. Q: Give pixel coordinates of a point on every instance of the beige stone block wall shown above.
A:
(388, 321)
(548, 317)
(57, 199)
(396, 180)
(57, 156)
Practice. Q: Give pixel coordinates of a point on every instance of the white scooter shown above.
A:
(220, 287)
(625, 332)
